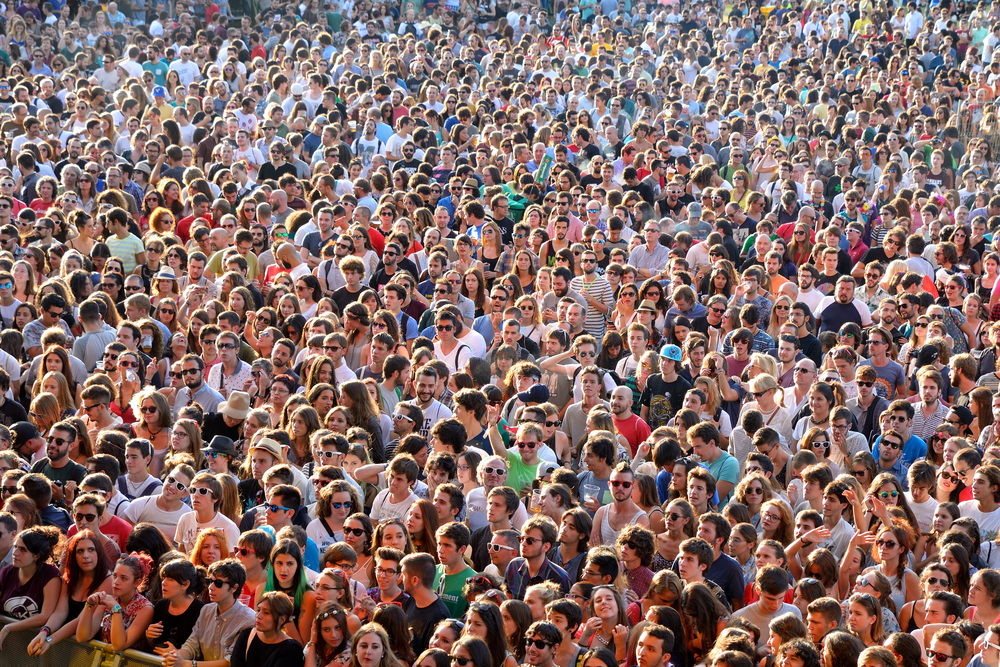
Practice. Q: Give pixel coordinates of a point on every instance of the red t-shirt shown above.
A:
(184, 226)
(634, 429)
(117, 530)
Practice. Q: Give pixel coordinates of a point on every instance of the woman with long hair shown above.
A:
(864, 618)
(303, 423)
(935, 577)
(210, 547)
(393, 619)
(330, 640)
(86, 571)
(393, 533)
(185, 438)
(474, 289)
(704, 618)
(364, 413)
(955, 558)
(154, 424)
(485, 621)
(927, 547)
(892, 548)
(286, 574)
(776, 522)
(123, 615)
(680, 525)
(608, 608)
(422, 524)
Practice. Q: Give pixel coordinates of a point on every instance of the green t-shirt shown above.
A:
(159, 70)
(334, 19)
(519, 472)
(449, 589)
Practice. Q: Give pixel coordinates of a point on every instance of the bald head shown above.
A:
(621, 401)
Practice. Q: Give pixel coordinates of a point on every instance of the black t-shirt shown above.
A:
(837, 315)
(12, 412)
(644, 191)
(878, 255)
(343, 297)
(283, 654)
(422, 621)
(663, 399)
(214, 425)
(269, 172)
(176, 629)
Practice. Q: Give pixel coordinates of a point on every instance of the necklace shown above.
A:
(817, 423)
(133, 488)
(601, 639)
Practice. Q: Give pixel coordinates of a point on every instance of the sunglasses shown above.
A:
(888, 494)
(88, 517)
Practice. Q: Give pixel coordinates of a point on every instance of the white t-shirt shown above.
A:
(188, 529)
(923, 511)
(989, 528)
(384, 509)
(144, 510)
(318, 533)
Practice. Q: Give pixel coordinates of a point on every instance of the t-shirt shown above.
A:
(756, 615)
(144, 510)
(384, 509)
(725, 469)
(519, 473)
(587, 477)
(449, 589)
(422, 621)
(188, 528)
(663, 399)
(71, 471)
(116, 530)
(989, 528)
(176, 629)
(126, 248)
(923, 511)
(24, 601)
(890, 376)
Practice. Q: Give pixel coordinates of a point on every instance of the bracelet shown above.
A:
(48, 630)
(117, 609)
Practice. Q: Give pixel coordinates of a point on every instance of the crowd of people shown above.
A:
(592, 334)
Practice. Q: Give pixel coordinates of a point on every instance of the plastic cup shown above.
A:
(245, 600)
(590, 492)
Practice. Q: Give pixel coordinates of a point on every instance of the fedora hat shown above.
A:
(238, 405)
(268, 445)
(221, 445)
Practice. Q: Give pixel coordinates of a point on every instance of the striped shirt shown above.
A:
(600, 290)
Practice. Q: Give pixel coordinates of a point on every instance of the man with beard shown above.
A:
(434, 411)
(840, 308)
(597, 292)
(195, 389)
(313, 243)
(561, 280)
(808, 275)
(57, 466)
(542, 640)
(407, 417)
(330, 277)
(390, 261)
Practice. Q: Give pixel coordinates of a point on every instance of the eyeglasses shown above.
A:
(172, 480)
(933, 655)
(271, 507)
(524, 539)
(497, 548)
(201, 491)
(494, 471)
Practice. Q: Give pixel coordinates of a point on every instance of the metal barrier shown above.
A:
(68, 653)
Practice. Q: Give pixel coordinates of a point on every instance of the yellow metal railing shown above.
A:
(68, 653)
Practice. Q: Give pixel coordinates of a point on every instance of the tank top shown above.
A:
(608, 534)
